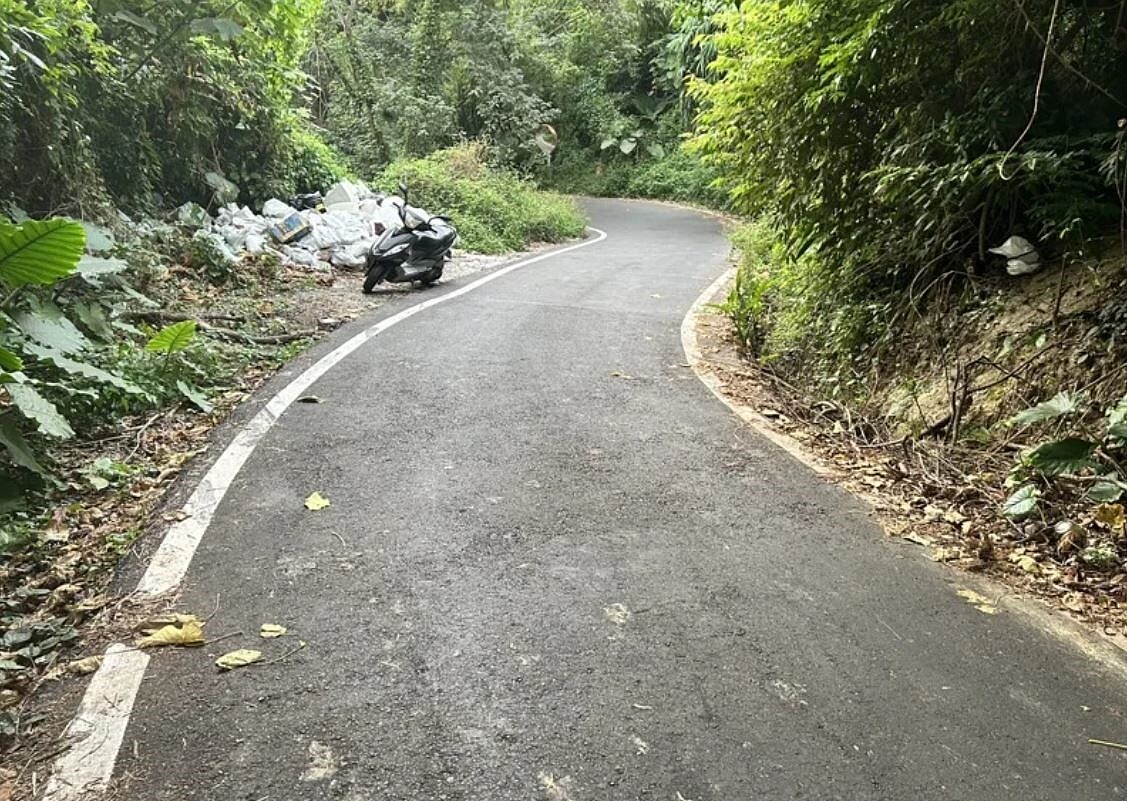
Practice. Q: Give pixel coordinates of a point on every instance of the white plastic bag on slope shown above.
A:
(276, 209)
(354, 255)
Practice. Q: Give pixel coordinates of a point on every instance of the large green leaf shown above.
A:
(173, 338)
(16, 446)
(10, 362)
(39, 251)
(1062, 405)
(1069, 455)
(46, 324)
(195, 396)
(1022, 503)
(35, 407)
(1105, 492)
(63, 362)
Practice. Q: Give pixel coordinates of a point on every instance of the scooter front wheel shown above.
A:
(374, 276)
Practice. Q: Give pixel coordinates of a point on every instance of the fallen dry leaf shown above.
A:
(187, 634)
(945, 554)
(236, 659)
(271, 630)
(979, 602)
(1112, 516)
(80, 667)
(316, 502)
(1072, 537)
(322, 763)
(1026, 563)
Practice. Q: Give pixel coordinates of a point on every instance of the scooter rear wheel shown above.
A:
(433, 275)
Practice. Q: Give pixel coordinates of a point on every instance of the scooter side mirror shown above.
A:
(403, 190)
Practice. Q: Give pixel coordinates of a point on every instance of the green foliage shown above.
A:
(39, 252)
(172, 338)
(1062, 405)
(209, 254)
(750, 303)
(676, 175)
(887, 142)
(1056, 458)
(1022, 503)
(399, 80)
(116, 101)
(31, 253)
(494, 210)
(1084, 451)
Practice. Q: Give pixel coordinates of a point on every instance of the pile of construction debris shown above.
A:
(311, 231)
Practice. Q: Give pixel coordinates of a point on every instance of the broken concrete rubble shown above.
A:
(339, 236)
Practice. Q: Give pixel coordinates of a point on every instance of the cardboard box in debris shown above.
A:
(340, 235)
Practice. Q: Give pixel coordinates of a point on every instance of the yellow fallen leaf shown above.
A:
(1027, 563)
(80, 667)
(980, 602)
(316, 502)
(944, 554)
(271, 630)
(973, 597)
(1113, 516)
(186, 635)
(237, 659)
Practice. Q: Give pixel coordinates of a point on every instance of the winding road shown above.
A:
(555, 567)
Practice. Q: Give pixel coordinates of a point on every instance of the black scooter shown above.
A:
(416, 250)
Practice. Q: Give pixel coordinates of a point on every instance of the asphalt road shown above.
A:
(555, 567)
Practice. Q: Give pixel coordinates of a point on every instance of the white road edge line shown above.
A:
(99, 725)
(691, 344)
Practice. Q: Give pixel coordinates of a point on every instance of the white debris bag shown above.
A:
(1022, 256)
(354, 255)
(344, 194)
(276, 209)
